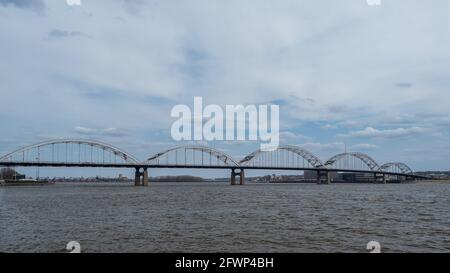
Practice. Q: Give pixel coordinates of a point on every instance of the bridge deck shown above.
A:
(169, 166)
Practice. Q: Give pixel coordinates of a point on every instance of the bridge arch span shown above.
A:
(73, 150)
(283, 156)
(396, 167)
(193, 155)
(346, 161)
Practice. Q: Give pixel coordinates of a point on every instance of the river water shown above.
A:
(217, 217)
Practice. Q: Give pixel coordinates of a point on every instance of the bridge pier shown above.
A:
(141, 177)
(380, 178)
(241, 175)
(233, 177)
(323, 177)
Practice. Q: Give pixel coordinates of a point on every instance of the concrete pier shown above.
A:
(380, 178)
(242, 178)
(233, 177)
(323, 177)
(141, 177)
(241, 175)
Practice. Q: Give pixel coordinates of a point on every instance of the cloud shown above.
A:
(290, 137)
(317, 146)
(114, 132)
(60, 34)
(404, 84)
(85, 131)
(36, 5)
(349, 123)
(328, 127)
(350, 68)
(370, 132)
(133, 6)
(107, 132)
(363, 147)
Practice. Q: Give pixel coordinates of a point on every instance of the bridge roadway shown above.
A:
(141, 177)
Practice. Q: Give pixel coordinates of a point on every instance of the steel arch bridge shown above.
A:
(70, 151)
(91, 153)
(396, 167)
(352, 160)
(191, 155)
(285, 156)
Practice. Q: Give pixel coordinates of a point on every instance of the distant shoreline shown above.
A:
(253, 182)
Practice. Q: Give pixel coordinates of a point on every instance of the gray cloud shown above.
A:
(370, 132)
(61, 34)
(347, 69)
(404, 84)
(36, 5)
(287, 137)
(85, 131)
(328, 127)
(134, 6)
(363, 147)
(106, 132)
(317, 146)
(114, 132)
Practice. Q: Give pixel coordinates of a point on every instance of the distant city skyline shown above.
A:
(347, 75)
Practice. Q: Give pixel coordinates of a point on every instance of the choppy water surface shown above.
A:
(208, 217)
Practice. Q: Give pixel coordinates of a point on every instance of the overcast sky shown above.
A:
(373, 78)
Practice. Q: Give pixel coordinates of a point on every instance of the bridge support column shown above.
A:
(233, 177)
(137, 177)
(145, 178)
(241, 175)
(141, 177)
(323, 177)
(380, 178)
